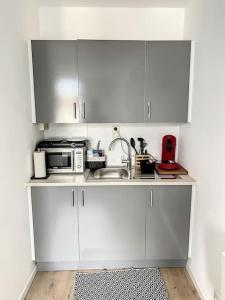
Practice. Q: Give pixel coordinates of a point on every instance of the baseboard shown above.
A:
(59, 266)
(195, 283)
(28, 284)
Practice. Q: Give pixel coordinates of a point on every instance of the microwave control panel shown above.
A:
(79, 160)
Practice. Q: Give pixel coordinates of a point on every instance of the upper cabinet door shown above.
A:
(167, 81)
(111, 81)
(55, 81)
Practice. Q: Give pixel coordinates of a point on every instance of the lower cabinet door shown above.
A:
(55, 224)
(112, 223)
(167, 222)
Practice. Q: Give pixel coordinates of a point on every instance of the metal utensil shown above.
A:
(98, 145)
(132, 142)
(144, 146)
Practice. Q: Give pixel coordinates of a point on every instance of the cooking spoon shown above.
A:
(132, 142)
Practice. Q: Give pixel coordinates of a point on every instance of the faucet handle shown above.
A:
(125, 161)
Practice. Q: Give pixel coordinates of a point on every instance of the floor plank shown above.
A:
(59, 285)
(179, 284)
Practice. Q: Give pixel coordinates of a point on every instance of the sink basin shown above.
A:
(110, 173)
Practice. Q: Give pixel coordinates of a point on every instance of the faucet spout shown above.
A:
(128, 161)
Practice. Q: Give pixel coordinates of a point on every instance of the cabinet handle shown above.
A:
(84, 112)
(149, 110)
(73, 197)
(82, 192)
(75, 110)
(151, 198)
(72, 159)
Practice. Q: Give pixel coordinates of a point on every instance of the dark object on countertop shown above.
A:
(141, 140)
(40, 178)
(94, 163)
(132, 142)
(179, 171)
(147, 166)
(138, 159)
(146, 176)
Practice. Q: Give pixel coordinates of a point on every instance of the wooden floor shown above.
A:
(59, 285)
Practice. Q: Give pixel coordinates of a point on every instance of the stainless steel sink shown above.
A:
(110, 173)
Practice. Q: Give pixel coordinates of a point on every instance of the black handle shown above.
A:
(132, 142)
(75, 110)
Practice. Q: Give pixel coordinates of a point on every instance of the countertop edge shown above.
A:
(81, 180)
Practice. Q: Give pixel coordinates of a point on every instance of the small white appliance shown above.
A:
(64, 155)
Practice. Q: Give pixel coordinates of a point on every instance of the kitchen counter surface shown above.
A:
(82, 180)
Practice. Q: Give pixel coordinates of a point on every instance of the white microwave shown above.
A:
(65, 160)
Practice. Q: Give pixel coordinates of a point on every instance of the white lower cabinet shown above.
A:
(112, 223)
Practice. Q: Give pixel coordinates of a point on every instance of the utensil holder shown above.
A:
(138, 159)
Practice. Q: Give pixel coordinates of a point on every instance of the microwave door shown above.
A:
(59, 161)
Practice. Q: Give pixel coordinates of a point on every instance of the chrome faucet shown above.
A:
(128, 160)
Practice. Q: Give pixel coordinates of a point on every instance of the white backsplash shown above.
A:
(94, 132)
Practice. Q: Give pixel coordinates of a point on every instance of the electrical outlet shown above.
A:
(115, 131)
(42, 126)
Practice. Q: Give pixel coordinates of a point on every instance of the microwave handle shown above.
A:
(73, 158)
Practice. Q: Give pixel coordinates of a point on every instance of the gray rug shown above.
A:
(129, 284)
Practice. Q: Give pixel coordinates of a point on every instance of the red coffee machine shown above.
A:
(168, 153)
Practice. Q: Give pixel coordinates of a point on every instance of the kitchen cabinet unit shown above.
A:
(111, 81)
(167, 224)
(55, 81)
(55, 224)
(167, 81)
(112, 224)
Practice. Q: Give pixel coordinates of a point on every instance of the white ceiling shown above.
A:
(114, 3)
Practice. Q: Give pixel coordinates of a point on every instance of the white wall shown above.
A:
(202, 143)
(152, 134)
(18, 22)
(115, 3)
(111, 23)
